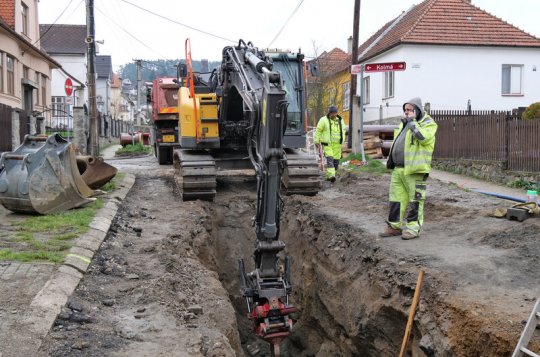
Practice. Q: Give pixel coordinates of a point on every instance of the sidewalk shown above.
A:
(110, 151)
(34, 293)
(477, 185)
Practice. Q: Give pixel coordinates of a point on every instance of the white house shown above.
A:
(455, 54)
(65, 43)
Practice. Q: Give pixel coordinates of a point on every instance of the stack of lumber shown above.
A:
(373, 145)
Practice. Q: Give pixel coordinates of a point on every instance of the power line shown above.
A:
(126, 31)
(59, 16)
(286, 22)
(179, 23)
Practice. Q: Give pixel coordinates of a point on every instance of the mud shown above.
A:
(165, 282)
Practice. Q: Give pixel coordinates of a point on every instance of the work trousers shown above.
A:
(332, 152)
(407, 192)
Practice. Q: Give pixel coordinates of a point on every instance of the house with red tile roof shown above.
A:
(455, 54)
(328, 80)
(25, 69)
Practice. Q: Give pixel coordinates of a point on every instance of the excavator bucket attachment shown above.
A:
(41, 176)
(94, 171)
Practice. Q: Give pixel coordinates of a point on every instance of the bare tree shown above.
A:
(324, 87)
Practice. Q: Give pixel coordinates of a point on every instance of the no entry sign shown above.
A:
(68, 86)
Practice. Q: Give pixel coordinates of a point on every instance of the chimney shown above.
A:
(349, 44)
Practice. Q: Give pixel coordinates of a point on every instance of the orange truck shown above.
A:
(164, 120)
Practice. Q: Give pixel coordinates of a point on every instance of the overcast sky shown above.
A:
(130, 30)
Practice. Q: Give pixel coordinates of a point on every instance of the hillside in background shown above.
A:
(158, 68)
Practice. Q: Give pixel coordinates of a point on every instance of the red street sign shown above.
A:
(68, 86)
(385, 67)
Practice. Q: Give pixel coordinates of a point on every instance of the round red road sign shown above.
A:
(68, 87)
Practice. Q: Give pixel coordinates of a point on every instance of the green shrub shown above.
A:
(523, 184)
(134, 149)
(532, 112)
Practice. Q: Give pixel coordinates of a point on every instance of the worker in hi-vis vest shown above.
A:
(330, 133)
(410, 159)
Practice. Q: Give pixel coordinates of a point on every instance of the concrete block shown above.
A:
(83, 252)
(89, 242)
(78, 262)
(101, 224)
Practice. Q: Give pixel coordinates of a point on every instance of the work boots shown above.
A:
(407, 235)
(390, 232)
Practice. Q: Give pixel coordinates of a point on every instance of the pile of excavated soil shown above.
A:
(165, 282)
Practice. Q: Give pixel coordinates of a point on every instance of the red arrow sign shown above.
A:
(68, 86)
(385, 67)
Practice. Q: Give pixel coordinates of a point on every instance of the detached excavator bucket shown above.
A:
(94, 171)
(41, 176)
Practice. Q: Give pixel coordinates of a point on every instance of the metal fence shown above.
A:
(488, 136)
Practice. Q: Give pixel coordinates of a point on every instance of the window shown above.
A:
(10, 66)
(388, 84)
(24, 14)
(346, 87)
(43, 90)
(59, 107)
(38, 76)
(365, 94)
(512, 79)
(26, 72)
(1, 72)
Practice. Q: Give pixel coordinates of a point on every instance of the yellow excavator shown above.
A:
(250, 114)
(218, 120)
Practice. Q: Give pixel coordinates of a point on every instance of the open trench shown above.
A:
(355, 291)
(174, 285)
(352, 303)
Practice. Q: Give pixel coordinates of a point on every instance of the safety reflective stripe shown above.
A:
(335, 129)
(418, 153)
(418, 162)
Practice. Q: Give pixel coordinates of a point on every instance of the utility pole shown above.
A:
(91, 78)
(354, 60)
(138, 107)
(355, 114)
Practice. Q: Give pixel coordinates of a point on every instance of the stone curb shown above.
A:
(48, 302)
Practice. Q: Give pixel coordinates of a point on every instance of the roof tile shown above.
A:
(63, 39)
(446, 22)
(7, 12)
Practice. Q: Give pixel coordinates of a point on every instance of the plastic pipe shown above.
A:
(501, 196)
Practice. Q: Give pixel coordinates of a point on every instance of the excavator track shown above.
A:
(195, 174)
(301, 175)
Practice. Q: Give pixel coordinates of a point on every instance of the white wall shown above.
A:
(448, 76)
(76, 67)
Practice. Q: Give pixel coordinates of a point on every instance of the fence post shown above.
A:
(80, 129)
(15, 129)
(507, 120)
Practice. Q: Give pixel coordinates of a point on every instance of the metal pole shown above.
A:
(356, 26)
(361, 116)
(137, 109)
(91, 78)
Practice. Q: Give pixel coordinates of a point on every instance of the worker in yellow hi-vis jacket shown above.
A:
(330, 133)
(410, 159)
